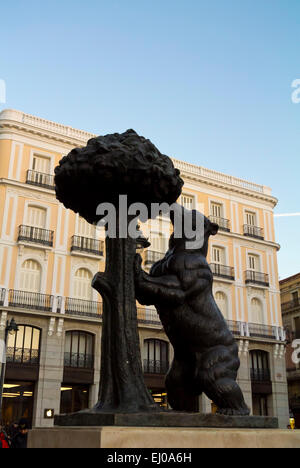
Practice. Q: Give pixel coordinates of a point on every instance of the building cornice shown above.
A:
(13, 119)
(16, 120)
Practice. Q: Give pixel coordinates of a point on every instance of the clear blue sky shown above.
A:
(208, 81)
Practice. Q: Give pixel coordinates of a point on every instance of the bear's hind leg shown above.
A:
(218, 372)
(179, 380)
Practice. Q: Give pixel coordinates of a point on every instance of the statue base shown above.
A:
(164, 419)
(156, 438)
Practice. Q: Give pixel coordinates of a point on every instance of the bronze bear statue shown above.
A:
(205, 352)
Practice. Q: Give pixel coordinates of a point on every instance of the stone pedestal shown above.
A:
(158, 438)
(89, 418)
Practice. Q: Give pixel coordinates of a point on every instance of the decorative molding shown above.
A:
(13, 119)
(3, 319)
(51, 326)
(60, 326)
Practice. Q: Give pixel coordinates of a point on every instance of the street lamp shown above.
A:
(10, 329)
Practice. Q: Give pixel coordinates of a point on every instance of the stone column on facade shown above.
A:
(279, 400)
(244, 372)
(48, 387)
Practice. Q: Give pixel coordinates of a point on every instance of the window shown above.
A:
(253, 262)
(222, 303)
(85, 229)
(260, 370)
(82, 284)
(30, 277)
(158, 242)
(257, 313)
(74, 398)
(295, 297)
(36, 217)
(297, 327)
(23, 347)
(156, 356)
(187, 202)
(250, 218)
(79, 350)
(218, 255)
(216, 210)
(41, 164)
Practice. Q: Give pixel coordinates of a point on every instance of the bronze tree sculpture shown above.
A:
(110, 166)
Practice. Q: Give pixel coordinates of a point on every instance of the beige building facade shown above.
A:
(290, 304)
(49, 255)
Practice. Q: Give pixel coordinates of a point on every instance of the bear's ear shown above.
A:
(213, 229)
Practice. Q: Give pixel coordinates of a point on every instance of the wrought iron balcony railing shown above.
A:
(222, 271)
(262, 331)
(79, 360)
(294, 304)
(260, 375)
(147, 316)
(253, 231)
(83, 308)
(23, 356)
(256, 277)
(30, 300)
(235, 327)
(155, 367)
(86, 244)
(151, 256)
(35, 235)
(40, 179)
(224, 224)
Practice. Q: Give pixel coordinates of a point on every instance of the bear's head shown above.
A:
(191, 230)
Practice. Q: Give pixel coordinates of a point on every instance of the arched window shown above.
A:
(82, 284)
(79, 350)
(222, 303)
(23, 347)
(257, 313)
(30, 277)
(156, 356)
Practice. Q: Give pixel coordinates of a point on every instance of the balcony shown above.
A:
(257, 330)
(87, 245)
(291, 305)
(24, 356)
(82, 308)
(253, 231)
(155, 367)
(35, 235)
(149, 317)
(224, 224)
(30, 300)
(256, 277)
(236, 328)
(260, 375)
(152, 257)
(39, 179)
(222, 271)
(79, 360)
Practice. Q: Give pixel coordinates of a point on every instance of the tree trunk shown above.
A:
(122, 386)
